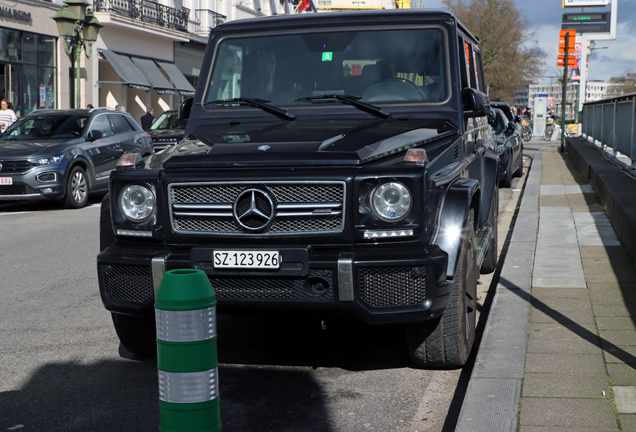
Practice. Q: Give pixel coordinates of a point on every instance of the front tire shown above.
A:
(76, 189)
(137, 335)
(446, 342)
(548, 132)
(526, 135)
(507, 180)
(519, 171)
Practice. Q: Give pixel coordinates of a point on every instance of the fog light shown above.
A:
(47, 190)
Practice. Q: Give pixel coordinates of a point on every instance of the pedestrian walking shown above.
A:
(7, 115)
(147, 119)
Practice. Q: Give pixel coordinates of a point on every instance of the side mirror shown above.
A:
(511, 127)
(95, 135)
(476, 103)
(492, 118)
(517, 119)
(185, 109)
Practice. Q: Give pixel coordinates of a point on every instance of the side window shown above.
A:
(228, 74)
(464, 71)
(479, 71)
(101, 126)
(469, 64)
(131, 122)
(120, 124)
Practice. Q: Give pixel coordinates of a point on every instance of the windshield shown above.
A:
(46, 127)
(390, 66)
(167, 120)
(501, 123)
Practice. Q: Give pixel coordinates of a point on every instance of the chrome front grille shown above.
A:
(299, 208)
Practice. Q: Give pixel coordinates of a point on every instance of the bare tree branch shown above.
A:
(510, 55)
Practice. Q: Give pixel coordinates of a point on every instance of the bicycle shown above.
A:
(526, 130)
(549, 128)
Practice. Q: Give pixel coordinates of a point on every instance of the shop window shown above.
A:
(10, 45)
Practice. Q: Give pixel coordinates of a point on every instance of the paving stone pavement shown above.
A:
(563, 332)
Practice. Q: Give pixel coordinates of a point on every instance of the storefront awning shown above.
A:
(127, 71)
(154, 76)
(180, 82)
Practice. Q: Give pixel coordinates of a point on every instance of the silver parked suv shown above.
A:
(66, 154)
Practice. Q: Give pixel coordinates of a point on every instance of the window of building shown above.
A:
(28, 70)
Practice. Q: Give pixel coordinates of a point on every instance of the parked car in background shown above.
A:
(166, 131)
(66, 154)
(507, 110)
(509, 147)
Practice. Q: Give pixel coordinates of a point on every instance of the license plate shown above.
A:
(6, 181)
(245, 259)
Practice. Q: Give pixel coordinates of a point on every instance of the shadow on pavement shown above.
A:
(291, 341)
(123, 396)
(571, 325)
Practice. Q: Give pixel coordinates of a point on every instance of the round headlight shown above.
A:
(391, 202)
(137, 203)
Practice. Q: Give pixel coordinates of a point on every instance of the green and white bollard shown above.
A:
(187, 358)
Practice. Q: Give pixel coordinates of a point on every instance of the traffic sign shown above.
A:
(572, 38)
(571, 60)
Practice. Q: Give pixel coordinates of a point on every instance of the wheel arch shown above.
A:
(106, 231)
(85, 165)
(460, 198)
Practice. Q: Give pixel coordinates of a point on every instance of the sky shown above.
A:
(544, 19)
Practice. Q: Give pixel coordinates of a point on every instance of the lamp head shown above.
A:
(78, 7)
(65, 19)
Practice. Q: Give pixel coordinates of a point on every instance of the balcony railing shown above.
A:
(146, 11)
(204, 20)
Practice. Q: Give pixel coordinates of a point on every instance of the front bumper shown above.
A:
(379, 284)
(41, 182)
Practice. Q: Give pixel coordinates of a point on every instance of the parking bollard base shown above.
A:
(195, 417)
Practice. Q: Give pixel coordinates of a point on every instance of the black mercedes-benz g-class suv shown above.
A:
(332, 163)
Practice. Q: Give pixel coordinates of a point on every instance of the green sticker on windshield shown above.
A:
(327, 56)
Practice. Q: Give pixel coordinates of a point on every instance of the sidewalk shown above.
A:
(559, 348)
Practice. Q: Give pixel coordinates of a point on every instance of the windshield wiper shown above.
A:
(351, 100)
(259, 103)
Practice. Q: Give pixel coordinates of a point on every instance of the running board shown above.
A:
(483, 238)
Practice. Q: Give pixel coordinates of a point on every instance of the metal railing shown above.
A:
(612, 123)
(146, 11)
(204, 20)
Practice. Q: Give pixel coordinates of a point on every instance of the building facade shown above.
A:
(29, 56)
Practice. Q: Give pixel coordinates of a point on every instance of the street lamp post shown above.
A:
(79, 29)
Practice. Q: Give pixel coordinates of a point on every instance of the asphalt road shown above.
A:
(62, 368)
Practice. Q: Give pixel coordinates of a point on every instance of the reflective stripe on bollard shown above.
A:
(187, 359)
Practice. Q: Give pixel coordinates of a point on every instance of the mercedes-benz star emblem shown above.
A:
(254, 210)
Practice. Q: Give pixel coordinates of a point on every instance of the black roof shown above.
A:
(302, 21)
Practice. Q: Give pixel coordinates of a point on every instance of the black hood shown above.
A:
(302, 143)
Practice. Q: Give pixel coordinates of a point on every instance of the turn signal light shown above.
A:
(129, 160)
(417, 156)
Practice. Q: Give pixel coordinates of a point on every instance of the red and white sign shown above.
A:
(7, 181)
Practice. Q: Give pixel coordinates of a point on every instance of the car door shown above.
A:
(103, 146)
(126, 134)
